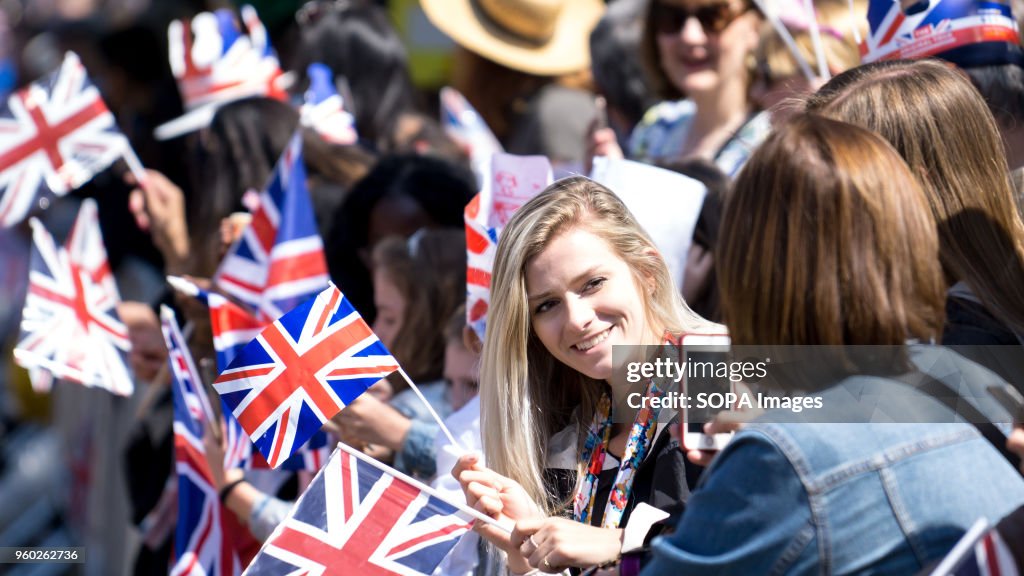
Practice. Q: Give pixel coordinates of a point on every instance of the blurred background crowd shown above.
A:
(693, 86)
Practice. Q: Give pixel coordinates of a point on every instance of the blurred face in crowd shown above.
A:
(461, 372)
(390, 308)
(583, 299)
(704, 43)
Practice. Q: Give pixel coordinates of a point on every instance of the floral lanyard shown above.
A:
(641, 436)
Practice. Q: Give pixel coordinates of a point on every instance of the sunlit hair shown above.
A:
(836, 20)
(526, 395)
(941, 126)
(830, 242)
(429, 271)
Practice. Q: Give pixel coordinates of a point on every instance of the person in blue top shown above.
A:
(846, 254)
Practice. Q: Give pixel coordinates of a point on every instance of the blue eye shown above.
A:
(594, 284)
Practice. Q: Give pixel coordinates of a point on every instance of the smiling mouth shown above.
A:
(594, 341)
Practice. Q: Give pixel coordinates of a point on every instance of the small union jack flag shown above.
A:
(233, 328)
(69, 326)
(208, 539)
(302, 370)
(55, 135)
(464, 124)
(512, 181)
(982, 551)
(279, 260)
(183, 368)
(360, 517)
(324, 109)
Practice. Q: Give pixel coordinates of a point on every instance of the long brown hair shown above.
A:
(846, 248)
(942, 128)
(429, 271)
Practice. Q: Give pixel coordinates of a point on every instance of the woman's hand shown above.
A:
(554, 544)
(159, 207)
(500, 498)
(725, 422)
(1015, 444)
(214, 448)
(149, 352)
(374, 422)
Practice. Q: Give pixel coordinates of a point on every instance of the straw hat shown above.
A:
(543, 37)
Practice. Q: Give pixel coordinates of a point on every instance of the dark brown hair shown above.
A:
(429, 270)
(830, 242)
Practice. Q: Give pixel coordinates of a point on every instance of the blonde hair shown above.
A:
(525, 394)
(942, 128)
(837, 22)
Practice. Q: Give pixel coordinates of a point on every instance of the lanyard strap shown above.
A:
(641, 436)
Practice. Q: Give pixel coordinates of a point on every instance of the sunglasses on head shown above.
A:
(713, 18)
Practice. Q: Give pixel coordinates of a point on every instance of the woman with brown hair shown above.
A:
(941, 126)
(846, 255)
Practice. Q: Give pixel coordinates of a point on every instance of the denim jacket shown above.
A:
(854, 498)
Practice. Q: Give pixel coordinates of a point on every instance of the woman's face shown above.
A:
(390, 308)
(583, 300)
(703, 43)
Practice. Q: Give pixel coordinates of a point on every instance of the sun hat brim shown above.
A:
(567, 51)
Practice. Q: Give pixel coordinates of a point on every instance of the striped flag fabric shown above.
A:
(463, 124)
(511, 181)
(301, 371)
(361, 517)
(69, 325)
(279, 260)
(208, 538)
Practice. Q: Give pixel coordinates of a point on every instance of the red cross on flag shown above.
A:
(69, 327)
(55, 135)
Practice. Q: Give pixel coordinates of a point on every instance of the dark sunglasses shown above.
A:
(713, 18)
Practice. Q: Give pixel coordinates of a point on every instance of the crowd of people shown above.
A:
(856, 194)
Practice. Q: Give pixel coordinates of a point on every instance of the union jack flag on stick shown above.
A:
(302, 370)
(233, 328)
(55, 135)
(208, 539)
(69, 326)
(362, 517)
(279, 260)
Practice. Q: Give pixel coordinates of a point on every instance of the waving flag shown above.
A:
(69, 326)
(361, 517)
(324, 109)
(937, 28)
(512, 181)
(183, 368)
(464, 124)
(233, 328)
(55, 135)
(208, 539)
(302, 370)
(279, 260)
